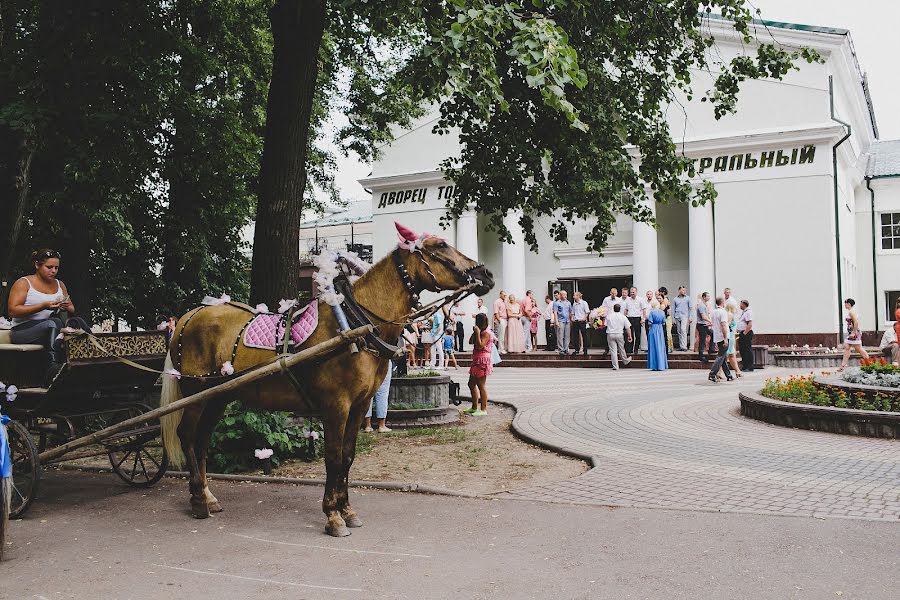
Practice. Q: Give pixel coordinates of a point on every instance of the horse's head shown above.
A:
(435, 265)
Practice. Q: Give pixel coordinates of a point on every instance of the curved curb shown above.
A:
(846, 421)
(396, 486)
(588, 458)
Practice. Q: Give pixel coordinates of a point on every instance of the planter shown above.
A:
(812, 360)
(760, 356)
(420, 402)
(846, 421)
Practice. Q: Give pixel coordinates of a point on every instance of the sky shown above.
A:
(873, 27)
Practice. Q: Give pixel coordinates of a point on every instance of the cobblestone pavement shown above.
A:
(674, 440)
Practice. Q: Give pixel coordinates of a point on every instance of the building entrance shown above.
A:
(593, 290)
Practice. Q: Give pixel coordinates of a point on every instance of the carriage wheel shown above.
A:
(139, 462)
(25, 466)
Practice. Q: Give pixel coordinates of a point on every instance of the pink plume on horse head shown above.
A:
(406, 234)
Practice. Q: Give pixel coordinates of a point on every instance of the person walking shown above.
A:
(459, 330)
(656, 339)
(681, 312)
(563, 317)
(719, 319)
(731, 354)
(482, 365)
(635, 313)
(745, 336)
(704, 333)
(580, 312)
(549, 316)
(617, 327)
(854, 335)
(515, 338)
(380, 402)
(607, 306)
(500, 319)
(528, 307)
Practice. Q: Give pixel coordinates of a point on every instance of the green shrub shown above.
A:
(242, 431)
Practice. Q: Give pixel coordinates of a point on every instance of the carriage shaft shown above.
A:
(223, 388)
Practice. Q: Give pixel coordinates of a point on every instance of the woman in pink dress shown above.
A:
(515, 337)
(482, 365)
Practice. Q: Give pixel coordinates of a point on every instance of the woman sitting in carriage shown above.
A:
(35, 301)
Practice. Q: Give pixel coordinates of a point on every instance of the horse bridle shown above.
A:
(469, 282)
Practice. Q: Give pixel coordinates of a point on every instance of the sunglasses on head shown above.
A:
(52, 254)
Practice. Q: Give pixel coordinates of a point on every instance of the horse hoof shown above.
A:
(215, 507)
(353, 521)
(200, 511)
(338, 531)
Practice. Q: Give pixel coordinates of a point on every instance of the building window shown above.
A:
(890, 231)
(891, 304)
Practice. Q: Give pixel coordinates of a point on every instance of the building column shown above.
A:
(644, 254)
(514, 256)
(467, 243)
(702, 251)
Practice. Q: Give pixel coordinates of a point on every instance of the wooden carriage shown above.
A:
(93, 390)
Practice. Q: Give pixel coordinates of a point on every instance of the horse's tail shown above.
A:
(171, 392)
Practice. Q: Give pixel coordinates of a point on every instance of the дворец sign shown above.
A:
(415, 195)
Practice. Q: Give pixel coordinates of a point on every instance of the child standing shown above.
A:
(448, 347)
(482, 365)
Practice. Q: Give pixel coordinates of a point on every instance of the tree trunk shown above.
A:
(15, 173)
(297, 28)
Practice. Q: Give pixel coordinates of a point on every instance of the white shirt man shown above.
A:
(616, 326)
(720, 320)
(482, 309)
(611, 300)
(636, 313)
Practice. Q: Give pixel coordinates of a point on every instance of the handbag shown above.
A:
(495, 355)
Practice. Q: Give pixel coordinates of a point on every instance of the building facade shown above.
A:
(808, 207)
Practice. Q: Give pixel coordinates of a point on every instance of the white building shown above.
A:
(792, 228)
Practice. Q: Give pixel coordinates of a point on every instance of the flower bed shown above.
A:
(874, 372)
(824, 392)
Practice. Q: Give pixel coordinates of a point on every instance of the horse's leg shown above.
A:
(351, 432)
(334, 422)
(187, 432)
(212, 414)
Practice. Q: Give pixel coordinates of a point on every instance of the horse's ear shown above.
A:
(406, 234)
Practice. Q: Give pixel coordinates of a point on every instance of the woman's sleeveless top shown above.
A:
(35, 297)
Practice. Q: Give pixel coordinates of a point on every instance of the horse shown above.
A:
(338, 388)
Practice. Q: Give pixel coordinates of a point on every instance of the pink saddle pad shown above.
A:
(265, 331)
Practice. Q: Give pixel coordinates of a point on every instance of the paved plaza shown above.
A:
(673, 440)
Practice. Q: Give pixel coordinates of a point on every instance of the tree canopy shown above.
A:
(140, 139)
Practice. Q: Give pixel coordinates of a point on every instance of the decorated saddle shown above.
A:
(266, 330)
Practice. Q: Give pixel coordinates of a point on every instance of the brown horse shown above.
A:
(338, 388)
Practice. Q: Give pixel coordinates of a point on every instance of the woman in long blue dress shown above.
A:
(656, 339)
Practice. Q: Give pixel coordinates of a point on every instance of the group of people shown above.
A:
(516, 323)
(439, 337)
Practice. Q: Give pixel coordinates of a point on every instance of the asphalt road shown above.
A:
(88, 536)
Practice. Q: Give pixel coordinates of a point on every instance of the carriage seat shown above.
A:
(6, 344)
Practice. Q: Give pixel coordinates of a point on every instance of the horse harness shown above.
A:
(357, 314)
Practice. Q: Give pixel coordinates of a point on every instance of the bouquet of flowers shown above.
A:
(597, 318)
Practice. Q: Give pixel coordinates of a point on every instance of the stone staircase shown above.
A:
(594, 359)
